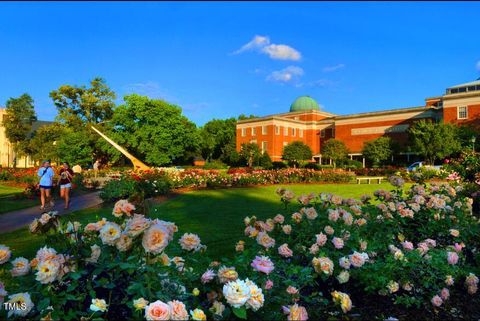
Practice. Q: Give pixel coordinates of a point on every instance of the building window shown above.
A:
(277, 130)
(294, 131)
(322, 133)
(253, 141)
(300, 132)
(285, 144)
(264, 130)
(285, 131)
(244, 132)
(264, 147)
(254, 131)
(462, 112)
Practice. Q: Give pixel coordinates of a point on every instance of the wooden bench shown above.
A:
(369, 179)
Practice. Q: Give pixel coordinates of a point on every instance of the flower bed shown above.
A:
(417, 250)
(148, 181)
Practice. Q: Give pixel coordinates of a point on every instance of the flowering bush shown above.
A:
(416, 249)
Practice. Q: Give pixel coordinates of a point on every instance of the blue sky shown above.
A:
(217, 60)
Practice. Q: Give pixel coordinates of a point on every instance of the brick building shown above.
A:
(307, 123)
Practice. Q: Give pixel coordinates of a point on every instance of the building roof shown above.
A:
(472, 83)
(384, 112)
(304, 103)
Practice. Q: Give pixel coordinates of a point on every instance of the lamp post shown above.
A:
(473, 140)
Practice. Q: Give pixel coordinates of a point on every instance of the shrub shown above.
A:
(332, 259)
(215, 164)
(279, 165)
(116, 189)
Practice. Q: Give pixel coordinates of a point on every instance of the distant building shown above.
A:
(307, 123)
(7, 155)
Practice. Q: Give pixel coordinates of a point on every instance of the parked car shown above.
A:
(415, 166)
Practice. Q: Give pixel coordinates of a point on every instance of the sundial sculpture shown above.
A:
(137, 164)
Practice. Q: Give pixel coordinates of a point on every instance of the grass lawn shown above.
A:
(215, 215)
(9, 200)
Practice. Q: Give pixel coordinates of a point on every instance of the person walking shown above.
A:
(96, 167)
(46, 174)
(66, 178)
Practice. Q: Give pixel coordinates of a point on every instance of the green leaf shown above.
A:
(240, 312)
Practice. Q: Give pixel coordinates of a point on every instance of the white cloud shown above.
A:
(279, 52)
(286, 75)
(333, 68)
(282, 52)
(256, 43)
(478, 65)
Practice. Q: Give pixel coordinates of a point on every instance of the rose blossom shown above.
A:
(452, 258)
(296, 313)
(321, 239)
(284, 251)
(226, 274)
(407, 245)
(445, 294)
(314, 249)
(263, 264)
(279, 218)
(207, 276)
(236, 293)
(329, 230)
(177, 310)
(437, 301)
(323, 265)
(287, 229)
(5, 254)
(21, 266)
(124, 243)
(22, 300)
(158, 310)
(136, 225)
(189, 242)
(344, 262)
(311, 213)
(96, 251)
(268, 284)
(265, 240)
(449, 280)
(110, 233)
(337, 242)
(256, 299)
(155, 239)
(358, 259)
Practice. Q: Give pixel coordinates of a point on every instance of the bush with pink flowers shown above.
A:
(402, 254)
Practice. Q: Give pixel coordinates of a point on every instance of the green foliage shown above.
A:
(74, 148)
(278, 165)
(217, 137)
(335, 150)
(433, 140)
(251, 153)
(296, 153)
(216, 164)
(378, 151)
(43, 144)
(78, 105)
(154, 130)
(18, 120)
(266, 161)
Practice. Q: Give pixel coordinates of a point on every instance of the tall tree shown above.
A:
(19, 117)
(335, 150)
(296, 153)
(79, 107)
(44, 141)
(154, 130)
(378, 150)
(433, 140)
(251, 153)
(216, 135)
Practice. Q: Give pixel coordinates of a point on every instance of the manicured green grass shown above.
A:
(9, 200)
(215, 215)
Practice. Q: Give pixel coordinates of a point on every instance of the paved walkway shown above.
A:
(14, 220)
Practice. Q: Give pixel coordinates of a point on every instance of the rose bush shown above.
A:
(327, 260)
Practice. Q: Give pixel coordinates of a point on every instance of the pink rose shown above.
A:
(445, 294)
(279, 219)
(207, 276)
(268, 284)
(292, 290)
(157, 311)
(337, 242)
(437, 301)
(407, 245)
(452, 258)
(321, 239)
(263, 264)
(284, 251)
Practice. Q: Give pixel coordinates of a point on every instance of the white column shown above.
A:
(363, 162)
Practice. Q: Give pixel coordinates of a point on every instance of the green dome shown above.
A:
(304, 103)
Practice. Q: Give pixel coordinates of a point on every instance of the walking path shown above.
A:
(17, 219)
